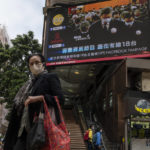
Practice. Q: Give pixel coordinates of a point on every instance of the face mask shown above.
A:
(129, 23)
(106, 20)
(37, 68)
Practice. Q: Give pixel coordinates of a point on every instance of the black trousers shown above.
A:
(96, 147)
(20, 145)
(21, 142)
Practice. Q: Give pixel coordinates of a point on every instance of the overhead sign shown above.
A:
(109, 30)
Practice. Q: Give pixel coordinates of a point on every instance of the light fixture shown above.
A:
(77, 72)
(70, 90)
(90, 74)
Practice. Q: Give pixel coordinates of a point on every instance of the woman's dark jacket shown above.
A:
(46, 84)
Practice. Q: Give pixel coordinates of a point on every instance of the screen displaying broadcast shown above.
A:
(102, 31)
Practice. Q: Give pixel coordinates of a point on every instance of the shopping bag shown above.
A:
(57, 136)
(36, 137)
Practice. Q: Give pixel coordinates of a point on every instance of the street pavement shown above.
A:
(139, 144)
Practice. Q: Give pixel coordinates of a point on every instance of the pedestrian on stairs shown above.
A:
(97, 139)
(90, 137)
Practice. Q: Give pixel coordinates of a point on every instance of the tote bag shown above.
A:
(36, 136)
(57, 137)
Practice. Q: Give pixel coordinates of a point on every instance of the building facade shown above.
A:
(3, 121)
(4, 38)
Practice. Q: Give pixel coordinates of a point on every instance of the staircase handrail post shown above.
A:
(103, 142)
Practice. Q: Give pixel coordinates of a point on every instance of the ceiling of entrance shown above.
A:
(76, 78)
(72, 76)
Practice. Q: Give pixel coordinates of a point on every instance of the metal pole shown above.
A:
(126, 134)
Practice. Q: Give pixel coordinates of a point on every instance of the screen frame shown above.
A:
(80, 61)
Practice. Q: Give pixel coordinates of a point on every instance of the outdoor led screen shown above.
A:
(108, 30)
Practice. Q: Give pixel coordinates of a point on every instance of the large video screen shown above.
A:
(109, 30)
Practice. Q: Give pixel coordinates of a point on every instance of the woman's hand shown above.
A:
(33, 99)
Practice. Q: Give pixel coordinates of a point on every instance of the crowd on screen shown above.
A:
(110, 21)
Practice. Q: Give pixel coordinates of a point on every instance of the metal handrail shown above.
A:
(103, 142)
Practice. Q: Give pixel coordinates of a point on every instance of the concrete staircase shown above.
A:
(76, 136)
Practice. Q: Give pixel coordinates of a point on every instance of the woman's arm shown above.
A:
(33, 99)
(49, 88)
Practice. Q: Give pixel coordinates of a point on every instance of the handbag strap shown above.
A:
(46, 110)
(59, 109)
(61, 115)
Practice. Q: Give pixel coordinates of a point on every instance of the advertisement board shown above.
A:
(109, 30)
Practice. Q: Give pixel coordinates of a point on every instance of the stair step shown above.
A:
(78, 149)
(76, 135)
(75, 142)
(75, 146)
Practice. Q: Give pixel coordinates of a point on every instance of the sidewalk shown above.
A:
(139, 144)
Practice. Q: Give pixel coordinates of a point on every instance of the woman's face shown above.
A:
(35, 65)
(34, 60)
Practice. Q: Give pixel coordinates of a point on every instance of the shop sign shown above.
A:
(143, 106)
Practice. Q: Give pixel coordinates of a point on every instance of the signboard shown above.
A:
(143, 106)
(108, 30)
(137, 103)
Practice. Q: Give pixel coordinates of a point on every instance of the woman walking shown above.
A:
(28, 100)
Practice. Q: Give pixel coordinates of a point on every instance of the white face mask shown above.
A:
(37, 68)
(129, 23)
(106, 20)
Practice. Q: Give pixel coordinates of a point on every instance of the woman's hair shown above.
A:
(40, 55)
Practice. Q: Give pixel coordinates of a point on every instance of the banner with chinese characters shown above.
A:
(109, 30)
